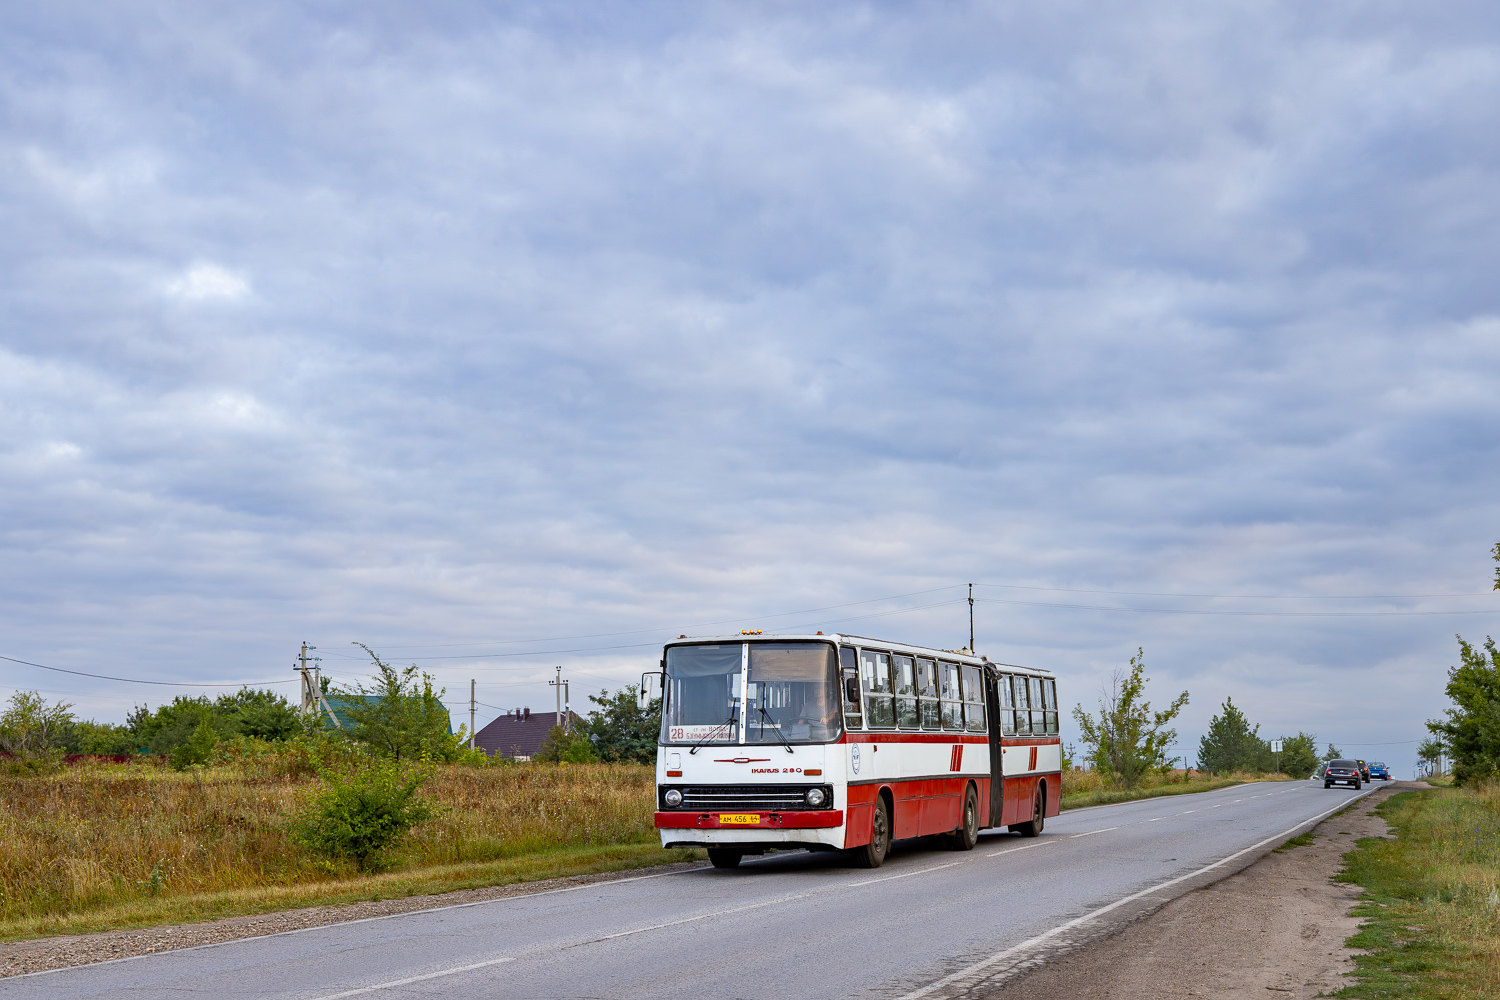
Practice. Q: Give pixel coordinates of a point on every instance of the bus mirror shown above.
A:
(851, 690)
(650, 689)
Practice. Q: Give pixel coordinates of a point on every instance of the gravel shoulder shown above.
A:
(20, 957)
(1275, 929)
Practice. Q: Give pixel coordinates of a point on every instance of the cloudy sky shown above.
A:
(506, 336)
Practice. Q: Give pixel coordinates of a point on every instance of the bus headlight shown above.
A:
(673, 798)
(816, 797)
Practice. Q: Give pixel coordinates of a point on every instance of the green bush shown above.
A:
(358, 816)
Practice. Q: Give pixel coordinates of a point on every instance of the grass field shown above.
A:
(116, 844)
(1432, 898)
(101, 846)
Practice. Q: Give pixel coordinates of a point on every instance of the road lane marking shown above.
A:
(1012, 850)
(417, 979)
(1188, 813)
(1100, 911)
(1156, 820)
(1092, 832)
(887, 878)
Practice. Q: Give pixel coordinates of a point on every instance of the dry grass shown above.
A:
(98, 836)
(1090, 788)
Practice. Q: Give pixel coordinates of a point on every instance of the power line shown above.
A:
(1238, 614)
(133, 680)
(1248, 597)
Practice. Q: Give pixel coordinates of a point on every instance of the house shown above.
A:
(518, 734)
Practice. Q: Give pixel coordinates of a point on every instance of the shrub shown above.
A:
(561, 746)
(357, 816)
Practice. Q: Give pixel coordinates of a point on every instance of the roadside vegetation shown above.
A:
(1126, 747)
(1431, 905)
(206, 808)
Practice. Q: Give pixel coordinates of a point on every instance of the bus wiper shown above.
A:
(733, 720)
(775, 728)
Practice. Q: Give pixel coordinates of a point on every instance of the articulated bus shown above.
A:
(840, 743)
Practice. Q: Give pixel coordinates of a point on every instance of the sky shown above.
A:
(502, 337)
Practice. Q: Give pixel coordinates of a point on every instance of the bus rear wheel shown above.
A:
(967, 835)
(872, 855)
(721, 858)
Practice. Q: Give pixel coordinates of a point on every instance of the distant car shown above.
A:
(1341, 772)
(1364, 770)
(1379, 770)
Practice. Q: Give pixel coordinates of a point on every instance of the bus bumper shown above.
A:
(815, 830)
(801, 820)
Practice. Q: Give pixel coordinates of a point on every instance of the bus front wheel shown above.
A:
(872, 855)
(720, 858)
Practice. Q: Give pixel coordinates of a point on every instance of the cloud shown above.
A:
(569, 327)
(206, 282)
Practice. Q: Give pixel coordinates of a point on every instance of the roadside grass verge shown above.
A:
(203, 906)
(1431, 906)
(1301, 840)
(1089, 788)
(118, 845)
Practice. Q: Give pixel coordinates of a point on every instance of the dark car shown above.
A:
(1364, 770)
(1379, 770)
(1341, 772)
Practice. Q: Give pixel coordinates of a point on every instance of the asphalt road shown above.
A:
(930, 923)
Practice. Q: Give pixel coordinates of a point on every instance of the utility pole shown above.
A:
(312, 686)
(562, 699)
(471, 713)
(971, 618)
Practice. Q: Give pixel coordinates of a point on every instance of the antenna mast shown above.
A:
(971, 618)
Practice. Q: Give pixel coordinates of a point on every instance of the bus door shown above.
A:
(992, 706)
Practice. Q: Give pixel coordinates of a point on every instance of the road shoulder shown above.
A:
(18, 958)
(1275, 929)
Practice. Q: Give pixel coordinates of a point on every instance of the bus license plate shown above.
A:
(739, 819)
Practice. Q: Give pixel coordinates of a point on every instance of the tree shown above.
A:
(30, 730)
(1299, 754)
(1128, 739)
(400, 715)
(105, 738)
(1471, 731)
(620, 729)
(562, 746)
(264, 714)
(1230, 744)
(1334, 753)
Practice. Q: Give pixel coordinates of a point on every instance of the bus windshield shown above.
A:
(779, 692)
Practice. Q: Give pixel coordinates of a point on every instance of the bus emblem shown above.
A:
(854, 757)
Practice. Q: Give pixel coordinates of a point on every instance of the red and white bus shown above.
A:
(836, 742)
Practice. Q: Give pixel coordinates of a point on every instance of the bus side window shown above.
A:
(1007, 706)
(1049, 698)
(849, 674)
(974, 698)
(1023, 717)
(1038, 717)
(875, 673)
(952, 701)
(906, 692)
(927, 693)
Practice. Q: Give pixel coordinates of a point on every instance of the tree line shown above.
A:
(1127, 740)
(1469, 733)
(400, 716)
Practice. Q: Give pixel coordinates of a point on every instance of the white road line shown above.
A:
(919, 871)
(1092, 832)
(1156, 820)
(1076, 921)
(1012, 850)
(417, 979)
(1188, 813)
